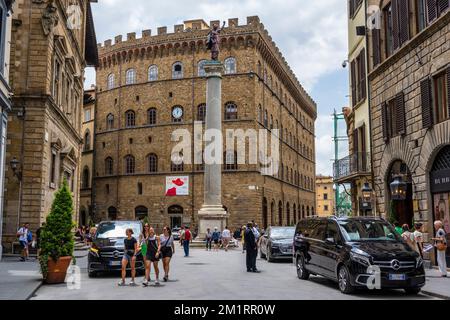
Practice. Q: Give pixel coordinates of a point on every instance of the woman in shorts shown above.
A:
(167, 250)
(153, 255)
(129, 256)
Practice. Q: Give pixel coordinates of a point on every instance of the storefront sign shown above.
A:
(177, 186)
(440, 181)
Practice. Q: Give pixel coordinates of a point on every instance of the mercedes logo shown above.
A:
(116, 254)
(395, 264)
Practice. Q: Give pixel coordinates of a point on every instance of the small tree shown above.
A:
(57, 239)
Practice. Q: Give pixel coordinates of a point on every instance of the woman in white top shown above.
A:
(226, 238)
(418, 238)
(441, 246)
(167, 250)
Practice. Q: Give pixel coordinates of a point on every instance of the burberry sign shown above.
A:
(440, 181)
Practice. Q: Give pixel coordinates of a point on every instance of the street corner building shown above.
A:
(51, 44)
(150, 86)
(409, 83)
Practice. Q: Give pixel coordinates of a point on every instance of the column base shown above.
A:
(211, 217)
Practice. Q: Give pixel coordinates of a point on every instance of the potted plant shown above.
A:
(57, 239)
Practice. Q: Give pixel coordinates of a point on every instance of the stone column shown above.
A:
(212, 213)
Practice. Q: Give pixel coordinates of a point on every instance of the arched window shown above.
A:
(231, 111)
(307, 211)
(266, 120)
(109, 166)
(130, 119)
(201, 112)
(201, 68)
(152, 163)
(177, 70)
(87, 140)
(151, 116)
(230, 65)
(141, 213)
(312, 211)
(111, 81)
(153, 73)
(288, 214)
(112, 213)
(130, 76)
(110, 121)
(230, 160)
(130, 165)
(280, 213)
(294, 210)
(85, 180)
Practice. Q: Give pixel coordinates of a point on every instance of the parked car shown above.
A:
(277, 243)
(107, 247)
(351, 251)
(176, 233)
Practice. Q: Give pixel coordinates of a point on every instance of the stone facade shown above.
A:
(47, 68)
(425, 54)
(325, 196)
(259, 83)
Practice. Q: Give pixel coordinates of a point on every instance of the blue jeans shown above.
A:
(186, 248)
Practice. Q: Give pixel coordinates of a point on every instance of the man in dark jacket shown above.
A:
(251, 248)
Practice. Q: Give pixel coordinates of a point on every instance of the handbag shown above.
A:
(441, 246)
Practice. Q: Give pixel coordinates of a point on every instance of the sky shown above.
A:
(312, 35)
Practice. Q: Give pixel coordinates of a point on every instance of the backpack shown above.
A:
(187, 235)
(29, 236)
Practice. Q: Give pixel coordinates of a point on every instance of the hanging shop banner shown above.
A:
(440, 181)
(177, 186)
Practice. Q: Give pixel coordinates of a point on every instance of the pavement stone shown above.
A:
(436, 285)
(18, 280)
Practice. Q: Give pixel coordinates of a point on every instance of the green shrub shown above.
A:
(57, 239)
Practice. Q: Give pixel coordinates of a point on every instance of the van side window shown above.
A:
(333, 232)
(319, 230)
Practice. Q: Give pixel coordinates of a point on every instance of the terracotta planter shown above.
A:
(57, 270)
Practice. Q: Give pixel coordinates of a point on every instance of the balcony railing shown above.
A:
(353, 166)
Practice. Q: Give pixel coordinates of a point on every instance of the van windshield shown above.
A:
(366, 230)
(116, 229)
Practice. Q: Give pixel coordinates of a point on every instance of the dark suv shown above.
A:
(107, 247)
(357, 252)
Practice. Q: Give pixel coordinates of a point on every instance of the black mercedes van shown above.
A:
(107, 248)
(357, 253)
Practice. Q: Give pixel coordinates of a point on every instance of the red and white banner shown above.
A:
(177, 186)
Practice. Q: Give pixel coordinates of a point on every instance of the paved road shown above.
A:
(216, 276)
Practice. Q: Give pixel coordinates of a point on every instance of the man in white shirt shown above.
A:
(22, 233)
(226, 237)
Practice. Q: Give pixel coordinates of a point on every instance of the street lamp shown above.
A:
(14, 164)
(398, 189)
(366, 192)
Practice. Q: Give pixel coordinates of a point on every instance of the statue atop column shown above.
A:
(214, 41)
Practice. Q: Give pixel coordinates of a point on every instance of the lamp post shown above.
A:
(367, 196)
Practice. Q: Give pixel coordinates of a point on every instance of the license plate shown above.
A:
(115, 263)
(397, 277)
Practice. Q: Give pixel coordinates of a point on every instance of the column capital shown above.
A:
(213, 69)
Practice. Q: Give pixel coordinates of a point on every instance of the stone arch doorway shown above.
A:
(264, 213)
(400, 210)
(176, 216)
(83, 216)
(140, 213)
(280, 213)
(440, 189)
(112, 213)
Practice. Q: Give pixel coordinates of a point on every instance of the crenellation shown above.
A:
(162, 31)
(118, 39)
(178, 28)
(146, 33)
(131, 36)
(233, 23)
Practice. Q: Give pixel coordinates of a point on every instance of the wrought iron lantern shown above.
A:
(398, 189)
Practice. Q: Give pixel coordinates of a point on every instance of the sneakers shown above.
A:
(157, 282)
(145, 283)
(166, 278)
(132, 284)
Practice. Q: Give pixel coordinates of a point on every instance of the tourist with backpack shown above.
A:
(187, 238)
(153, 255)
(22, 234)
(216, 238)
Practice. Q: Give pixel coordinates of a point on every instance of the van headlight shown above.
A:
(361, 259)
(419, 262)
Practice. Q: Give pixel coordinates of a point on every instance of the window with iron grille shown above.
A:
(130, 119)
(110, 122)
(151, 116)
(231, 111)
(230, 160)
(111, 81)
(177, 70)
(153, 73)
(130, 76)
(152, 163)
(201, 112)
(130, 164)
(230, 65)
(109, 166)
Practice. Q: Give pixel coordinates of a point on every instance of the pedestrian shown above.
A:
(152, 256)
(208, 239)
(398, 228)
(216, 238)
(418, 238)
(22, 234)
(226, 238)
(244, 228)
(182, 233)
(187, 241)
(441, 247)
(129, 257)
(252, 248)
(143, 240)
(167, 250)
(408, 237)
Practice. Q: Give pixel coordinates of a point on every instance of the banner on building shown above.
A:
(177, 186)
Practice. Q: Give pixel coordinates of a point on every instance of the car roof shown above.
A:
(346, 218)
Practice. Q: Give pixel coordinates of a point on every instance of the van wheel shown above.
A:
(344, 281)
(413, 291)
(302, 273)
